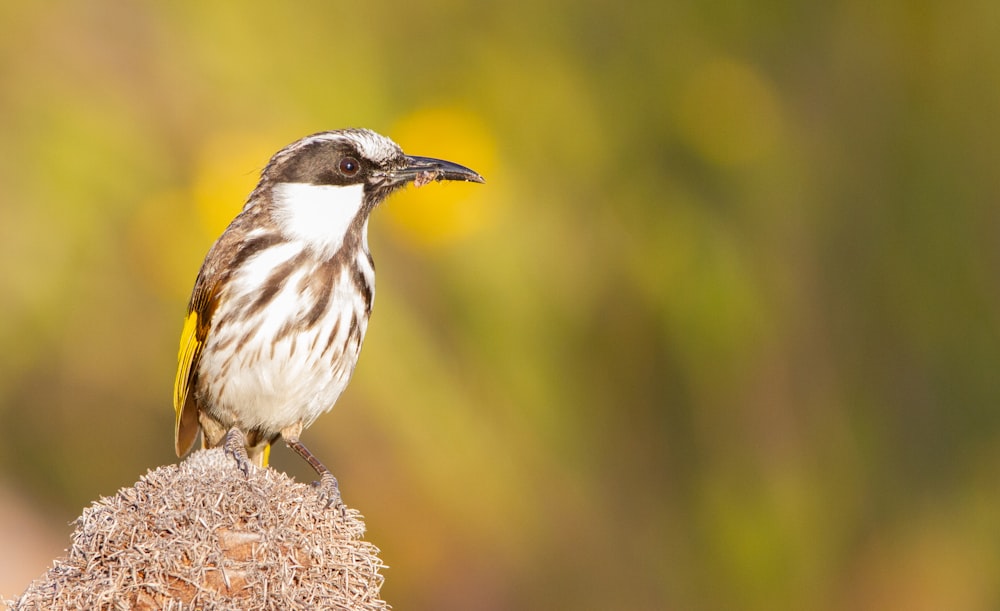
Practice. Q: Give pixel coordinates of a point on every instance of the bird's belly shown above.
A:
(272, 377)
(271, 393)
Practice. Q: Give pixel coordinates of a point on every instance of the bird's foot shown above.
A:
(329, 493)
(235, 447)
(329, 490)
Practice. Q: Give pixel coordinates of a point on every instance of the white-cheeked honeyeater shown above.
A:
(281, 303)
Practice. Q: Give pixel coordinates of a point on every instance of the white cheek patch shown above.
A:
(318, 215)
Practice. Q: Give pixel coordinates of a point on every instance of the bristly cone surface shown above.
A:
(201, 535)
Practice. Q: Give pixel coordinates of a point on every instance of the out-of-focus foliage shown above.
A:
(720, 332)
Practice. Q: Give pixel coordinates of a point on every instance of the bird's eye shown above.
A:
(349, 166)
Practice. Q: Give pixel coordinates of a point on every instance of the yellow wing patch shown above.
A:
(186, 414)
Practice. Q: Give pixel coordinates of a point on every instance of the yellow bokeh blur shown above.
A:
(227, 169)
(441, 213)
(166, 243)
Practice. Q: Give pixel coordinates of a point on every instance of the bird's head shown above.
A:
(324, 186)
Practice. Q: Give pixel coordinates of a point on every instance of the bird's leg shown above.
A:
(329, 490)
(235, 445)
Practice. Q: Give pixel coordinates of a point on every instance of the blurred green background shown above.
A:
(720, 332)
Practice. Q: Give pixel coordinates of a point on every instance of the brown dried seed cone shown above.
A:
(201, 535)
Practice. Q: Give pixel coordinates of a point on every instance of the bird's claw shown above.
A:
(235, 447)
(329, 493)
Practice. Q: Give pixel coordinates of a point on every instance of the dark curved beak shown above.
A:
(422, 170)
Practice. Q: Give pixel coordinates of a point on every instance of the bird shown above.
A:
(281, 303)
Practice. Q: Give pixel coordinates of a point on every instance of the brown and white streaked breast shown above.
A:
(303, 299)
(304, 322)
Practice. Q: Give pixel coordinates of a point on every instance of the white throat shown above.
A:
(319, 215)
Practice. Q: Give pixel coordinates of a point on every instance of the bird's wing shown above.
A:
(186, 425)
